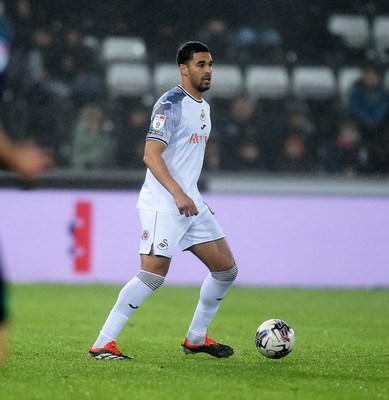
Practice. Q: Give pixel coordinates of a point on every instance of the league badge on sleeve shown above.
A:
(159, 121)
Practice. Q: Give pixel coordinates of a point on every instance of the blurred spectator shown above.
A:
(41, 67)
(76, 68)
(132, 138)
(345, 155)
(368, 106)
(298, 141)
(219, 38)
(24, 24)
(310, 38)
(162, 41)
(47, 110)
(93, 143)
(65, 68)
(262, 44)
(243, 42)
(368, 100)
(58, 79)
(242, 142)
(36, 63)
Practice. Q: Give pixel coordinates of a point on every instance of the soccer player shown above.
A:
(172, 210)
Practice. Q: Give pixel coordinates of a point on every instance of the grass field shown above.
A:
(341, 352)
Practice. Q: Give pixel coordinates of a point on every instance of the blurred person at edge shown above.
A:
(26, 159)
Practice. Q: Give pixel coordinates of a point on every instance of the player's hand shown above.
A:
(31, 161)
(185, 205)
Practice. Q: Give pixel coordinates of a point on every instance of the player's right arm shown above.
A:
(156, 164)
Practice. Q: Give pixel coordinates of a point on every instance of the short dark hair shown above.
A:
(186, 51)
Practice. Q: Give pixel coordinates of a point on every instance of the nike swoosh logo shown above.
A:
(166, 102)
(133, 307)
(220, 299)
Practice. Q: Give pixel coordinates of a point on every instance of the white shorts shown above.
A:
(164, 231)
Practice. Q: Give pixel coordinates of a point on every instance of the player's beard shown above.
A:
(199, 86)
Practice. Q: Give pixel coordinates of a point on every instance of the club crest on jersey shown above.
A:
(202, 115)
(159, 121)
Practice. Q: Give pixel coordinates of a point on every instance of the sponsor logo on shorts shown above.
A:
(145, 235)
(163, 245)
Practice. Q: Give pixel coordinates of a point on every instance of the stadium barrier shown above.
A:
(92, 236)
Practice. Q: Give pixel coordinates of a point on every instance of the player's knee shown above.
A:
(153, 281)
(228, 275)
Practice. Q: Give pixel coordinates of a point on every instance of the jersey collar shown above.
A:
(188, 94)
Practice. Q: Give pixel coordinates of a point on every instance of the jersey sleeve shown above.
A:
(164, 120)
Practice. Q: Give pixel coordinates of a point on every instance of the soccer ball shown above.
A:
(275, 338)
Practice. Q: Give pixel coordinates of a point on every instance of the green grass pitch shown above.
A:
(341, 351)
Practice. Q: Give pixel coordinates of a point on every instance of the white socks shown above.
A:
(212, 292)
(130, 298)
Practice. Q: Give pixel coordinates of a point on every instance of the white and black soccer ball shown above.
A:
(275, 338)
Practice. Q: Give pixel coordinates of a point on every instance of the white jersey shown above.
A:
(183, 124)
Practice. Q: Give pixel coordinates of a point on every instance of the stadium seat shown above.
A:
(353, 29)
(227, 81)
(166, 76)
(266, 82)
(118, 48)
(380, 33)
(313, 82)
(346, 77)
(126, 79)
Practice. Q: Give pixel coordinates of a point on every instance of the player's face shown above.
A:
(199, 71)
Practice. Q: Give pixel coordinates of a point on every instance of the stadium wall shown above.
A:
(90, 236)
